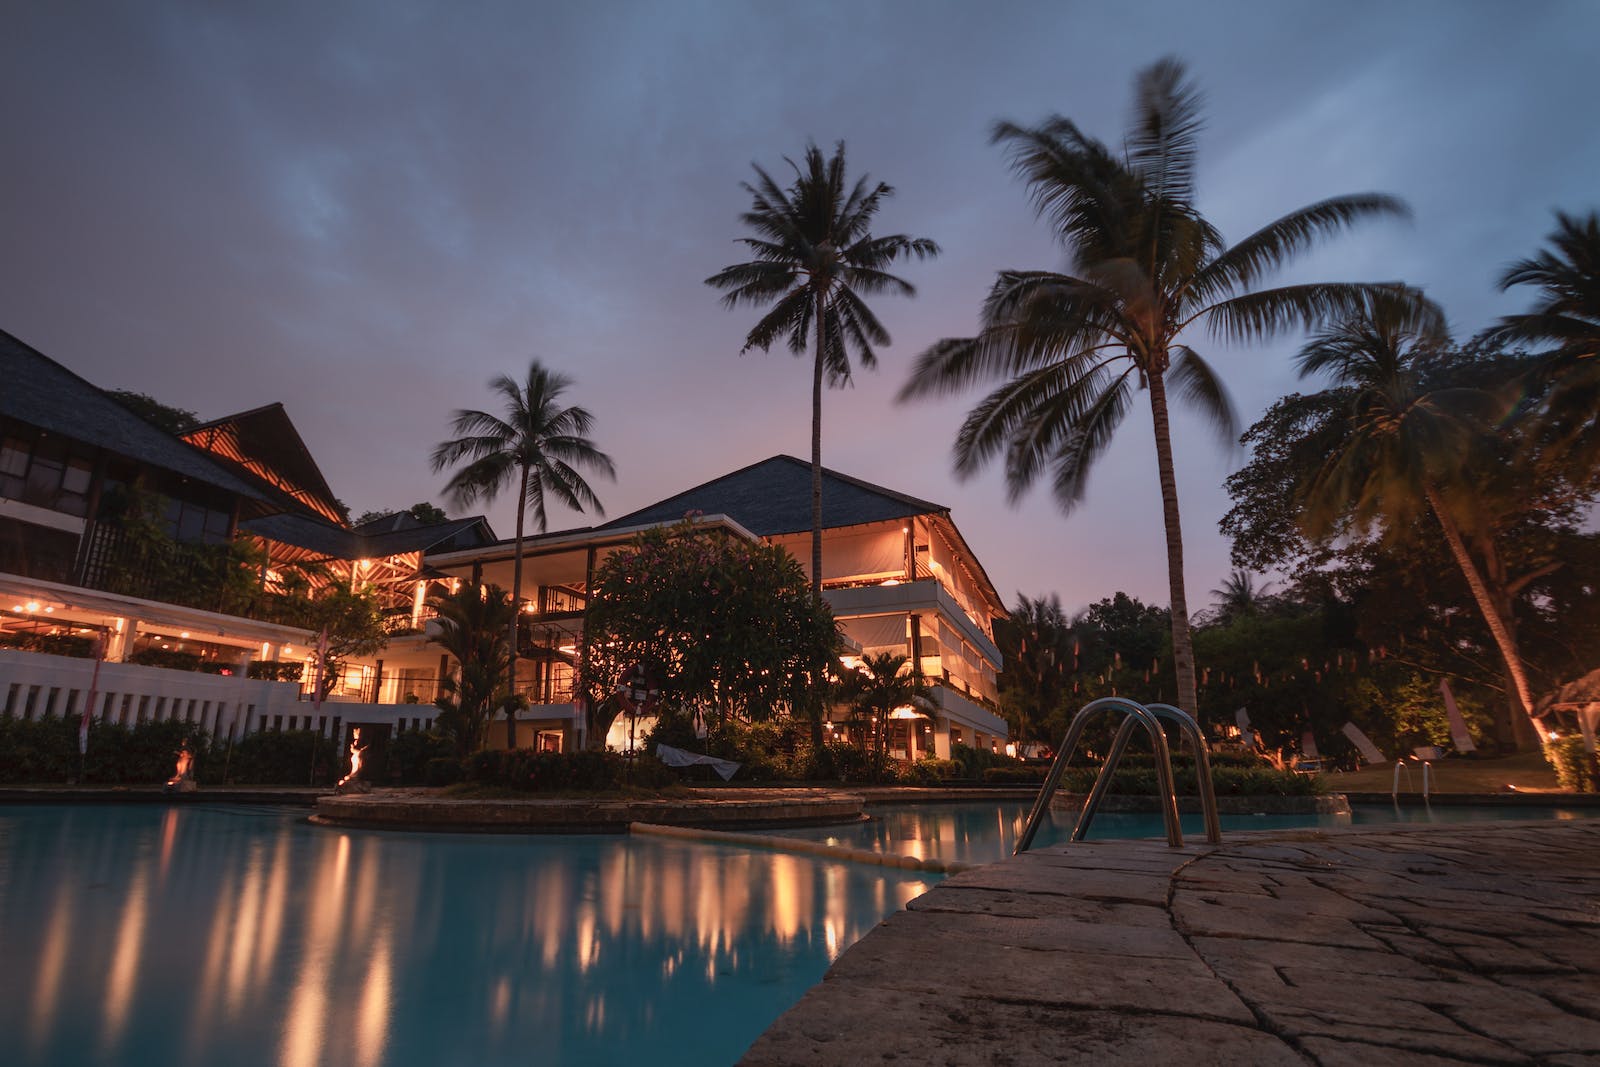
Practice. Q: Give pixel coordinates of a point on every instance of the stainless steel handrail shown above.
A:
(1191, 732)
(1158, 741)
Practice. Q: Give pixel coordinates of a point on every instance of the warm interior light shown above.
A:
(184, 633)
(33, 605)
(1554, 736)
(905, 711)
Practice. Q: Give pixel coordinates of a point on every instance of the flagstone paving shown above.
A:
(1473, 943)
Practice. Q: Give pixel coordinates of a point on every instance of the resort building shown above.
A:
(118, 536)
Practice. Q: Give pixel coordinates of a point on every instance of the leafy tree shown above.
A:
(814, 261)
(354, 625)
(883, 684)
(726, 627)
(539, 446)
(424, 512)
(1239, 596)
(1566, 315)
(173, 420)
(1147, 270)
(472, 625)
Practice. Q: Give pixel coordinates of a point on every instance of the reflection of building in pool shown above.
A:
(113, 530)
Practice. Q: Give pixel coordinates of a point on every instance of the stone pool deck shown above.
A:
(1415, 945)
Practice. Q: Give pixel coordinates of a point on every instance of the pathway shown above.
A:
(1475, 943)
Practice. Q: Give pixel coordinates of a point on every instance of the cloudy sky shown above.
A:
(367, 210)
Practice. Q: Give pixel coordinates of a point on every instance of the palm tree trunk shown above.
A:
(816, 459)
(1503, 638)
(516, 611)
(815, 708)
(1182, 642)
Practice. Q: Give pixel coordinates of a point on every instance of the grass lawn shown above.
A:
(1528, 771)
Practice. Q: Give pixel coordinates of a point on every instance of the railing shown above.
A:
(1135, 715)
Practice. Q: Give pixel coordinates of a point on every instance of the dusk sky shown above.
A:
(367, 210)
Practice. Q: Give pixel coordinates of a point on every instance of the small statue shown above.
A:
(182, 780)
(352, 783)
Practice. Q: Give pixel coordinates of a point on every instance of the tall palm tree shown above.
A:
(814, 261)
(538, 445)
(1401, 449)
(1567, 317)
(1146, 271)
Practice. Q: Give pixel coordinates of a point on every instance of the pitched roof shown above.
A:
(41, 392)
(265, 446)
(329, 540)
(774, 497)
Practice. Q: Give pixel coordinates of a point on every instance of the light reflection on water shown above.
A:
(205, 935)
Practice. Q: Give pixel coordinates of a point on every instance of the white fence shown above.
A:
(34, 685)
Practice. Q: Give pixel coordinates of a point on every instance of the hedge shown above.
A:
(544, 772)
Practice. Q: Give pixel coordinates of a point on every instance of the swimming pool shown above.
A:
(215, 934)
(986, 831)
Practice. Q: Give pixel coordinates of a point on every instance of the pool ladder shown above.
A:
(1134, 715)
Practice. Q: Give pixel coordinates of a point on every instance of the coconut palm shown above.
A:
(1401, 450)
(538, 445)
(814, 262)
(1146, 272)
(1038, 648)
(472, 623)
(1567, 317)
(1239, 596)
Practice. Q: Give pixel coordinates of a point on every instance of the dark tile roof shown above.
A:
(459, 532)
(774, 497)
(336, 542)
(41, 392)
(310, 533)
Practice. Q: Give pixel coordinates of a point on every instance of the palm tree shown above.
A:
(1146, 267)
(1239, 596)
(541, 447)
(814, 261)
(1401, 449)
(472, 624)
(883, 684)
(1038, 648)
(1567, 317)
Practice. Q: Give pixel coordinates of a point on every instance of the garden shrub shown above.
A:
(278, 757)
(74, 645)
(170, 658)
(974, 761)
(274, 670)
(411, 752)
(1575, 767)
(543, 772)
(930, 771)
(1020, 774)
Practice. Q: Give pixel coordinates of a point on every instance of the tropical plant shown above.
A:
(1147, 270)
(1038, 648)
(1566, 316)
(1239, 596)
(881, 686)
(1402, 449)
(471, 626)
(814, 261)
(541, 447)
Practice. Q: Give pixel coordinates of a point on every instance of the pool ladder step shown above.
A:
(1134, 715)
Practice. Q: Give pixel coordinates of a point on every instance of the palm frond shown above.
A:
(1196, 384)
(1269, 248)
(1161, 140)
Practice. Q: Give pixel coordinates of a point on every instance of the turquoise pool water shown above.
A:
(986, 831)
(217, 935)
